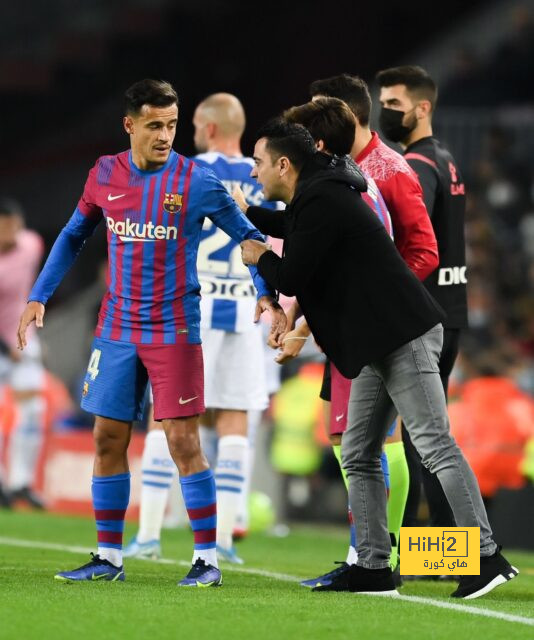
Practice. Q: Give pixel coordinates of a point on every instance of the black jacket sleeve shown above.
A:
(306, 248)
(269, 222)
(429, 181)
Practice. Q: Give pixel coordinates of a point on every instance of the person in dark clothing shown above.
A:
(408, 97)
(379, 326)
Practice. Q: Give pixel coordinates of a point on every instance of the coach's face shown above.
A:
(152, 132)
(268, 172)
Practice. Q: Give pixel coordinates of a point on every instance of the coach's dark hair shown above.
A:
(10, 207)
(327, 119)
(351, 89)
(156, 93)
(417, 81)
(288, 139)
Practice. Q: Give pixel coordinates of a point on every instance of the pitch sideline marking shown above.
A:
(488, 613)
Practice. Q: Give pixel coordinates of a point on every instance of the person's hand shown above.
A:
(239, 197)
(292, 315)
(252, 250)
(278, 317)
(34, 312)
(292, 344)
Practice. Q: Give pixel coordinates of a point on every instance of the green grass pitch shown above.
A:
(261, 601)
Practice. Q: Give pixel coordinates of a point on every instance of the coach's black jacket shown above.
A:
(360, 299)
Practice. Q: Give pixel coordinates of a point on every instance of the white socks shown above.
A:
(254, 421)
(158, 469)
(25, 443)
(230, 473)
(352, 556)
(208, 555)
(208, 442)
(111, 555)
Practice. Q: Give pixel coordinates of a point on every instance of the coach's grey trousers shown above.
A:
(405, 382)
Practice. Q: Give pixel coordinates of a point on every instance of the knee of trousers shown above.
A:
(367, 465)
(446, 455)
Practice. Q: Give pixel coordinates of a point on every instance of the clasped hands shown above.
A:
(252, 250)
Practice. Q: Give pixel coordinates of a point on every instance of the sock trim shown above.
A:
(115, 478)
(161, 474)
(229, 476)
(196, 477)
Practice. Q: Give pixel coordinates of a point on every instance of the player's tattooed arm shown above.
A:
(292, 342)
(278, 317)
(293, 314)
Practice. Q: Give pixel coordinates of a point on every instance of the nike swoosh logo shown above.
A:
(111, 198)
(182, 401)
(102, 575)
(338, 418)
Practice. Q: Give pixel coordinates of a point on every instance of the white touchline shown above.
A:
(284, 577)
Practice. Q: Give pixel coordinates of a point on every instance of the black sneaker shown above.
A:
(494, 570)
(397, 578)
(326, 579)
(27, 495)
(376, 582)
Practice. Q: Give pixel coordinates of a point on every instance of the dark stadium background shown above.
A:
(64, 66)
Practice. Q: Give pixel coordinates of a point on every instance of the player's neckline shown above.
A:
(155, 172)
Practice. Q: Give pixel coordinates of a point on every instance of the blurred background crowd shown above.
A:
(64, 66)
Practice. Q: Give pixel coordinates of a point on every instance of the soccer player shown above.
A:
(232, 344)
(154, 202)
(408, 97)
(21, 251)
(416, 242)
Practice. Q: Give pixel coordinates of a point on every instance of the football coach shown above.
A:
(379, 326)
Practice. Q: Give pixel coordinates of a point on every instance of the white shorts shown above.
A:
(28, 373)
(234, 371)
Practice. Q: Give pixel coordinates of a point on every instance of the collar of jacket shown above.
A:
(323, 167)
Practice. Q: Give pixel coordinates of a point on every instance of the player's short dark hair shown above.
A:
(327, 119)
(156, 93)
(287, 139)
(10, 207)
(351, 89)
(417, 81)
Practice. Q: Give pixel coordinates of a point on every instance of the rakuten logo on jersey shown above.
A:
(129, 231)
(452, 275)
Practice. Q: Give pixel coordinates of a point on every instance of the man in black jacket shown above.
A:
(408, 96)
(379, 326)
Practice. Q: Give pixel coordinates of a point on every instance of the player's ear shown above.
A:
(284, 164)
(128, 124)
(211, 129)
(423, 108)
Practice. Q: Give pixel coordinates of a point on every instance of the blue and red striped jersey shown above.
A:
(154, 222)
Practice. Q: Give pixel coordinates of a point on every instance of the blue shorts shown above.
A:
(118, 373)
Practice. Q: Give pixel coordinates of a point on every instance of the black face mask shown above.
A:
(390, 121)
